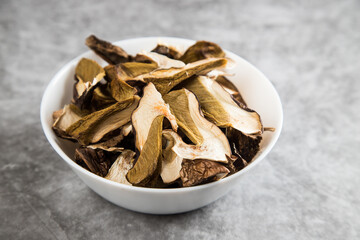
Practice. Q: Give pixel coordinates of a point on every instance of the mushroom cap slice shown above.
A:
(93, 127)
(120, 167)
(201, 50)
(109, 52)
(201, 171)
(162, 61)
(65, 118)
(150, 155)
(169, 51)
(151, 105)
(165, 79)
(218, 106)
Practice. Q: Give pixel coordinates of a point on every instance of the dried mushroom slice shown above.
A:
(93, 127)
(88, 74)
(110, 145)
(120, 90)
(210, 142)
(121, 166)
(101, 97)
(150, 156)
(231, 88)
(202, 50)
(218, 106)
(169, 51)
(201, 171)
(246, 146)
(162, 61)
(65, 118)
(96, 161)
(134, 69)
(151, 105)
(109, 52)
(165, 79)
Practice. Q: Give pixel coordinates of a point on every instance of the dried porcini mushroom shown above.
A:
(126, 115)
(96, 161)
(218, 106)
(165, 79)
(120, 90)
(185, 107)
(151, 105)
(194, 172)
(246, 146)
(150, 155)
(109, 52)
(64, 118)
(168, 51)
(162, 61)
(121, 166)
(202, 50)
(93, 127)
(88, 74)
(230, 88)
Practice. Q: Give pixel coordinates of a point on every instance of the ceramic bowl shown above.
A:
(256, 89)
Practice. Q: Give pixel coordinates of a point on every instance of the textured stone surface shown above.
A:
(307, 188)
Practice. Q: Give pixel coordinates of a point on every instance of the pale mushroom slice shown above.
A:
(64, 118)
(210, 142)
(218, 106)
(165, 79)
(93, 127)
(230, 88)
(151, 105)
(162, 61)
(150, 156)
(88, 74)
(121, 166)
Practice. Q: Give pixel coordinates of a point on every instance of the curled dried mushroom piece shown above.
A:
(159, 119)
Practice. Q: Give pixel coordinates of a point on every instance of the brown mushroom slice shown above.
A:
(150, 156)
(162, 61)
(93, 127)
(101, 97)
(96, 161)
(209, 139)
(121, 166)
(218, 106)
(246, 146)
(119, 89)
(202, 50)
(165, 79)
(88, 74)
(65, 117)
(111, 53)
(151, 105)
(169, 51)
(201, 171)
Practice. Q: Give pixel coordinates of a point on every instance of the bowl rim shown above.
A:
(48, 131)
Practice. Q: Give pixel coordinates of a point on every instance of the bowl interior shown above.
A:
(256, 89)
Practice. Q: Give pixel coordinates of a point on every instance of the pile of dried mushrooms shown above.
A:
(159, 119)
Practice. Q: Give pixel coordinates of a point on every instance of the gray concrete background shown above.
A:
(307, 188)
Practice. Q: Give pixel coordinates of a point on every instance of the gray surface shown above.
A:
(307, 188)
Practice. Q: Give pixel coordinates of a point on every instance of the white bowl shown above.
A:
(256, 89)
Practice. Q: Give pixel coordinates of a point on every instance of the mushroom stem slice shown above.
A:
(163, 62)
(201, 171)
(150, 156)
(165, 79)
(120, 167)
(93, 127)
(151, 105)
(218, 106)
(109, 52)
